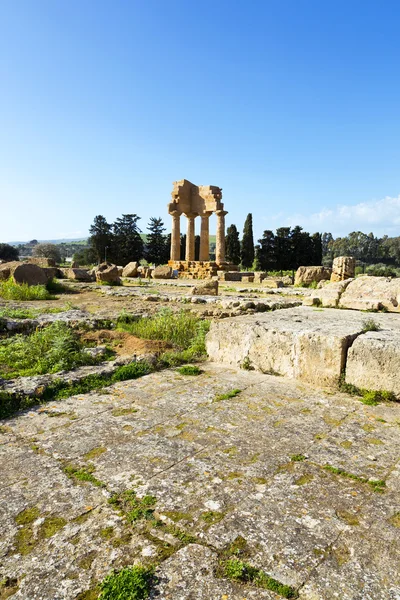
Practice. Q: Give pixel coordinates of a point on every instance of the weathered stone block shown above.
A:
(373, 361)
(107, 272)
(307, 275)
(298, 343)
(208, 288)
(372, 293)
(344, 267)
(78, 274)
(327, 295)
(162, 273)
(131, 269)
(23, 273)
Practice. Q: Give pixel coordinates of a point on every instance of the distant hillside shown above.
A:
(61, 241)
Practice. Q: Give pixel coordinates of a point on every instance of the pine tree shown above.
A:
(101, 237)
(156, 245)
(247, 246)
(266, 253)
(127, 243)
(232, 245)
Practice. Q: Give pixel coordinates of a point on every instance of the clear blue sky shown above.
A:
(291, 106)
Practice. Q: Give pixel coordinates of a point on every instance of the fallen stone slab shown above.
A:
(306, 275)
(372, 293)
(72, 317)
(373, 361)
(301, 343)
(328, 295)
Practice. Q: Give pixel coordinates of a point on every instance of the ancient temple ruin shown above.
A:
(197, 201)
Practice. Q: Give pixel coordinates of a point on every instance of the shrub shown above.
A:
(9, 290)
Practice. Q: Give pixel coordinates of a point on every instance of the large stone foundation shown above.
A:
(198, 269)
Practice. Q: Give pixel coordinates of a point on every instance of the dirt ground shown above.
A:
(124, 343)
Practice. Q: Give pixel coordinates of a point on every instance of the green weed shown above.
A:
(134, 508)
(227, 396)
(370, 325)
(84, 473)
(377, 485)
(297, 457)
(131, 583)
(245, 573)
(189, 370)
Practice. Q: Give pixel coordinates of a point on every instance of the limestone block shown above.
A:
(327, 295)
(372, 293)
(162, 273)
(208, 288)
(248, 278)
(344, 267)
(130, 270)
(259, 276)
(307, 275)
(273, 283)
(23, 273)
(107, 272)
(78, 274)
(298, 342)
(42, 262)
(373, 361)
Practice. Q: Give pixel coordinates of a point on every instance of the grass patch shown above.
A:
(17, 313)
(189, 370)
(185, 331)
(54, 348)
(243, 572)
(227, 396)
(84, 473)
(9, 290)
(377, 485)
(131, 583)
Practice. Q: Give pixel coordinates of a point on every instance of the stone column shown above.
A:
(220, 245)
(190, 237)
(176, 236)
(205, 238)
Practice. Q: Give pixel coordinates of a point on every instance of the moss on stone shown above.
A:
(50, 526)
(95, 452)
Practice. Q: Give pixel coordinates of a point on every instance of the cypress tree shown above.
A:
(232, 245)
(247, 246)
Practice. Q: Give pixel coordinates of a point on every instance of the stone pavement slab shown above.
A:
(285, 467)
